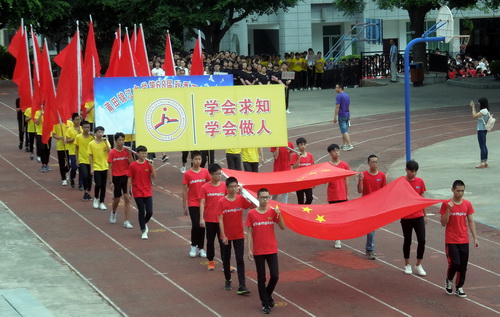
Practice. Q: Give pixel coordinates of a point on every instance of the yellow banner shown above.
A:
(210, 118)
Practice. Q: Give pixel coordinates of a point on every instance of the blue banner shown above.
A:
(114, 102)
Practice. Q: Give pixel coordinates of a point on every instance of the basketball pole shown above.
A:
(407, 87)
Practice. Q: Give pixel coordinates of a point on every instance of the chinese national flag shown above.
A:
(69, 88)
(197, 62)
(141, 54)
(169, 66)
(22, 72)
(48, 95)
(91, 66)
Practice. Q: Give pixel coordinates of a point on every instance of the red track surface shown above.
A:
(157, 278)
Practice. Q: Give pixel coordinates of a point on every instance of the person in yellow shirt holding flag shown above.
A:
(89, 108)
(71, 134)
(42, 149)
(98, 150)
(58, 133)
(82, 158)
(31, 131)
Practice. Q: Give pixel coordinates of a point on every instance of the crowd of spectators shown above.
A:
(466, 66)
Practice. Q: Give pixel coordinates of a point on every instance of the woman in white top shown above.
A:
(157, 71)
(482, 117)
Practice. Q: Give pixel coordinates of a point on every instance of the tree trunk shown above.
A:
(417, 22)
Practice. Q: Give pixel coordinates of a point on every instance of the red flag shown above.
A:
(69, 88)
(133, 39)
(48, 95)
(114, 58)
(91, 66)
(126, 67)
(22, 72)
(141, 54)
(197, 62)
(290, 181)
(36, 102)
(354, 218)
(169, 66)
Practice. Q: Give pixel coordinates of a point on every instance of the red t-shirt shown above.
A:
(141, 179)
(282, 163)
(456, 229)
(264, 240)
(372, 183)
(304, 161)
(232, 215)
(212, 194)
(194, 183)
(337, 190)
(119, 159)
(419, 186)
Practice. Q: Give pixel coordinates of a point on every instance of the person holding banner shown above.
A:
(193, 180)
(98, 150)
(210, 194)
(262, 246)
(71, 134)
(140, 174)
(82, 158)
(282, 157)
(303, 159)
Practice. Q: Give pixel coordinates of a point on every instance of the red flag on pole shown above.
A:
(126, 67)
(114, 58)
(169, 66)
(36, 102)
(141, 54)
(22, 72)
(91, 66)
(48, 95)
(133, 39)
(69, 88)
(197, 62)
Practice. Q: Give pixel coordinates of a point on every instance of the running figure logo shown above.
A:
(165, 119)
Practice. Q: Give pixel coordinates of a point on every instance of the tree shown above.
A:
(417, 10)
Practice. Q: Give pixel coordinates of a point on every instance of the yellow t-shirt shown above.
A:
(128, 138)
(71, 133)
(90, 114)
(297, 67)
(31, 123)
(250, 155)
(99, 154)
(303, 64)
(60, 131)
(233, 151)
(83, 145)
(39, 126)
(319, 66)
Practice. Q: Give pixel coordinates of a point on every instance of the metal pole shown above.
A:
(407, 88)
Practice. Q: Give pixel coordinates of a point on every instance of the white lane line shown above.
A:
(115, 241)
(62, 259)
(427, 281)
(11, 108)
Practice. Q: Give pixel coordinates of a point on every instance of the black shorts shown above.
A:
(120, 183)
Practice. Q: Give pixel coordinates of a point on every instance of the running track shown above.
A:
(157, 278)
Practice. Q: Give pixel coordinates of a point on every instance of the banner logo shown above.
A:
(165, 119)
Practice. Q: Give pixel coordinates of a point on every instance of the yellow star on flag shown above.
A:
(320, 218)
(326, 170)
(313, 173)
(299, 179)
(306, 209)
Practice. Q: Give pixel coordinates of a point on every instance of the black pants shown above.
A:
(319, 80)
(100, 179)
(287, 93)
(266, 292)
(145, 208)
(86, 177)
(21, 127)
(62, 158)
(417, 224)
(31, 139)
(207, 156)
(239, 246)
(43, 150)
(304, 193)
(251, 167)
(233, 161)
(213, 231)
(197, 232)
(310, 77)
(185, 155)
(458, 257)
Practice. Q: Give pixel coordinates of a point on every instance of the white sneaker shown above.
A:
(348, 147)
(39, 159)
(144, 235)
(420, 270)
(64, 183)
(102, 206)
(408, 269)
(288, 111)
(338, 244)
(112, 217)
(96, 203)
(127, 225)
(183, 169)
(202, 253)
(193, 251)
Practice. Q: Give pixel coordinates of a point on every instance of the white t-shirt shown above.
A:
(157, 72)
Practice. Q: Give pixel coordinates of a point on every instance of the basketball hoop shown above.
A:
(444, 22)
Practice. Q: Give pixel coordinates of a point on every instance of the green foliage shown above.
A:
(350, 57)
(350, 7)
(495, 69)
(7, 65)
(468, 24)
